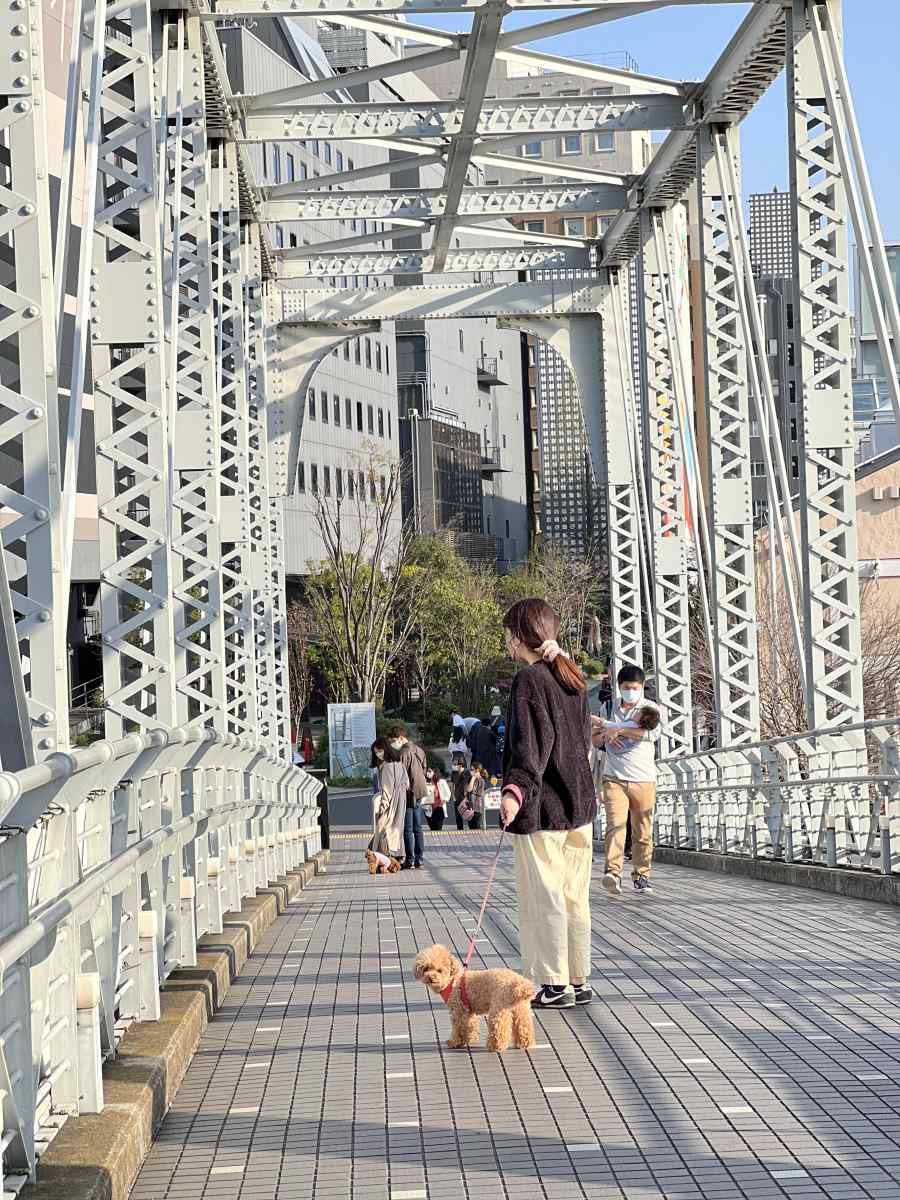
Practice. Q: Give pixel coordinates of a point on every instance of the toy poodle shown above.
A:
(500, 995)
(380, 864)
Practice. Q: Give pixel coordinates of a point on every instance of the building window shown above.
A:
(336, 409)
(390, 434)
(536, 226)
(279, 236)
(276, 163)
(507, 528)
(383, 484)
(361, 485)
(314, 479)
(357, 351)
(368, 354)
(795, 467)
(348, 413)
(349, 164)
(605, 143)
(571, 143)
(381, 422)
(531, 150)
(339, 160)
(504, 441)
(327, 476)
(387, 360)
(291, 167)
(339, 482)
(462, 345)
(311, 395)
(378, 356)
(350, 482)
(301, 477)
(575, 227)
(372, 495)
(323, 396)
(346, 351)
(371, 416)
(359, 416)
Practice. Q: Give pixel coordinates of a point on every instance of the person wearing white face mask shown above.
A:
(629, 780)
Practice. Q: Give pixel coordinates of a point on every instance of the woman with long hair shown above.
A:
(389, 802)
(549, 803)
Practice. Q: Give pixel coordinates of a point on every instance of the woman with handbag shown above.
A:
(389, 802)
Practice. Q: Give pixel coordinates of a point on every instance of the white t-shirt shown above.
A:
(634, 761)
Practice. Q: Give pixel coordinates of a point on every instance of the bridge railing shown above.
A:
(829, 797)
(114, 859)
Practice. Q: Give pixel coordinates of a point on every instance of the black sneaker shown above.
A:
(554, 996)
(406, 866)
(584, 993)
(419, 866)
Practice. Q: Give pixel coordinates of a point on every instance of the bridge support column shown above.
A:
(664, 465)
(193, 402)
(828, 551)
(727, 405)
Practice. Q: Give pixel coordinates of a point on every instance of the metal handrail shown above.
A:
(171, 829)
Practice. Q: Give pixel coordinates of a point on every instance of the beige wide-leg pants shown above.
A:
(553, 879)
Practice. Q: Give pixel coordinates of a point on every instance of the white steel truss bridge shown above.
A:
(141, 278)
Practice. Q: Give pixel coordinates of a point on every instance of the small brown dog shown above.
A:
(502, 996)
(380, 864)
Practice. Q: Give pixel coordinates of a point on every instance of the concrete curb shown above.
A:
(838, 881)
(98, 1157)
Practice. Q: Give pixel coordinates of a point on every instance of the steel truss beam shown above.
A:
(132, 424)
(750, 63)
(194, 413)
(733, 583)
(234, 490)
(828, 551)
(428, 203)
(328, 10)
(418, 262)
(29, 418)
(669, 546)
(344, 307)
(544, 117)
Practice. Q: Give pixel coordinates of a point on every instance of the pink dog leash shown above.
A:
(487, 893)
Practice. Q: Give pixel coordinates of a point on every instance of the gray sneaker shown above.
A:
(612, 883)
(643, 886)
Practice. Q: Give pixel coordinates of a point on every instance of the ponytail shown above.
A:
(568, 674)
(534, 623)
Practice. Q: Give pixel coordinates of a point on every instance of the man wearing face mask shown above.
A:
(413, 759)
(629, 780)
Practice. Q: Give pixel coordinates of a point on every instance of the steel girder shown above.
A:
(532, 118)
(554, 297)
(29, 416)
(234, 490)
(727, 403)
(665, 470)
(605, 10)
(824, 405)
(132, 423)
(428, 203)
(418, 262)
(194, 406)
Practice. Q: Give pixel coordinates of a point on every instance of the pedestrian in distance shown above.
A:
(413, 759)
(629, 780)
(473, 796)
(389, 801)
(548, 802)
(441, 797)
(459, 780)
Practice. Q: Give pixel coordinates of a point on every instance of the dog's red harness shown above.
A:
(463, 992)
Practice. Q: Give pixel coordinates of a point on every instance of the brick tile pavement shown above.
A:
(745, 1045)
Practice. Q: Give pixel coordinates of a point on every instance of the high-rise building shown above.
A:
(771, 243)
(872, 408)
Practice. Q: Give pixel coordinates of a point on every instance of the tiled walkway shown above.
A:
(745, 1043)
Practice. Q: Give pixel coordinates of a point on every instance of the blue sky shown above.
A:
(684, 43)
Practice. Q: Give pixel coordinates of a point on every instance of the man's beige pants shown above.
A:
(619, 799)
(553, 880)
